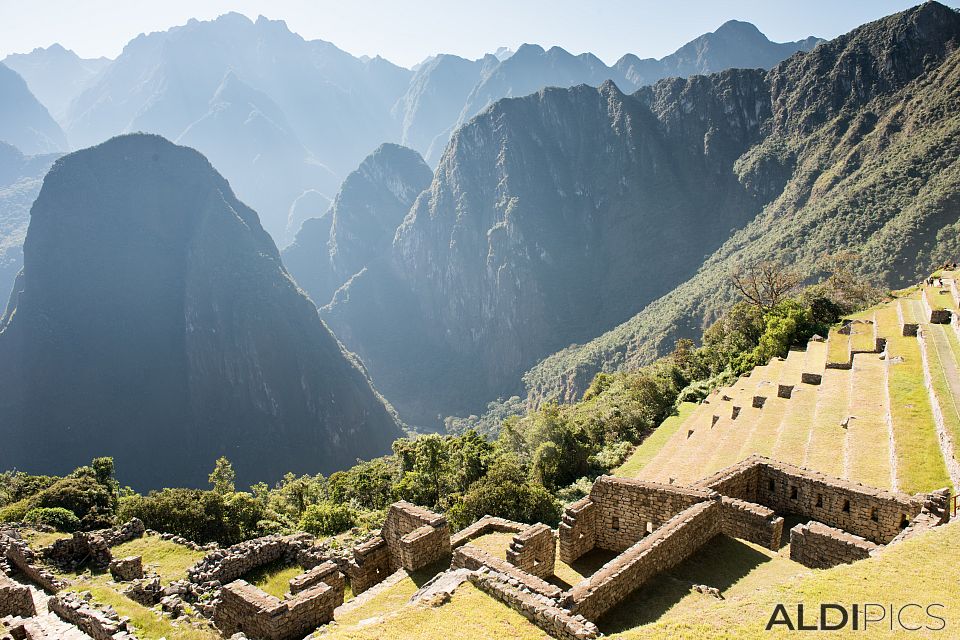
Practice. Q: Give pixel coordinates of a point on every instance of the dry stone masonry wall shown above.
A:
(534, 550)
(15, 599)
(100, 623)
(818, 546)
(246, 609)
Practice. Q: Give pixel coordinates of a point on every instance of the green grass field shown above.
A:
(650, 447)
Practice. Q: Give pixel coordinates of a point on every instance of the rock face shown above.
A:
(360, 225)
(859, 154)
(549, 216)
(154, 322)
(20, 180)
(24, 122)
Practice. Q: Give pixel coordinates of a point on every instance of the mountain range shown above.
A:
(280, 115)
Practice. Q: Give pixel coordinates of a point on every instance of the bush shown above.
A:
(15, 512)
(327, 519)
(57, 517)
(201, 516)
(92, 502)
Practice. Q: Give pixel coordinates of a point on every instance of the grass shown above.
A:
(650, 447)
(794, 431)
(148, 623)
(913, 571)
(827, 437)
(868, 440)
(838, 347)
(39, 539)
(920, 465)
(167, 559)
(943, 365)
(861, 337)
(274, 578)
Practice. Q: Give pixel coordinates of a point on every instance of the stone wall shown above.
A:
(226, 565)
(620, 511)
(540, 610)
(130, 530)
(578, 529)
(818, 546)
(24, 560)
(751, 522)
(534, 550)
(127, 569)
(15, 599)
(483, 526)
(415, 536)
(474, 559)
(99, 623)
(370, 564)
(666, 547)
(874, 514)
(327, 573)
(246, 609)
(84, 549)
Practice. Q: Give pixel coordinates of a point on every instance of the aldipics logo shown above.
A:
(860, 617)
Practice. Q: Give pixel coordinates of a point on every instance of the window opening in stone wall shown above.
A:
(904, 521)
(793, 493)
(874, 516)
(616, 523)
(846, 506)
(819, 499)
(770, 485)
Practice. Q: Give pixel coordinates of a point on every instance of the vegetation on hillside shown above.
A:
(524, 471)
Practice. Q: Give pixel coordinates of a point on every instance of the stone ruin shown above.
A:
(98, 622)
(411, 538)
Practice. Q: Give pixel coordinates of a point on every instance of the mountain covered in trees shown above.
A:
(556, 216)
(154, 321)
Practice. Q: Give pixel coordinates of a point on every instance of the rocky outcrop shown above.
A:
(360, 225)
(154, 314)
(24, 122)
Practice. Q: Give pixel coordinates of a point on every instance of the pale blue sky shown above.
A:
(406, 31)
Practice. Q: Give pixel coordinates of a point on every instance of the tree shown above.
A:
(766, 283)
(223, 477)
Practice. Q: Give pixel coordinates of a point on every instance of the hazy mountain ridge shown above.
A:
(24, 122)
(138, 252)
(863, 154)
(56, 75)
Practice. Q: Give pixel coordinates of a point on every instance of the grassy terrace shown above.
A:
(867, 447)
(920, 465)
(945, 375)
(827, 437)
(838, 347)
(650, 447)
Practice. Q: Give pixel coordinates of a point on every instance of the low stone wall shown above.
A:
(424, 546)
(99, 623)
(83, 549)
(130, 530)
(370, 564)
(15, 599)
(127, 569)
(246, 609)
(483, 526)
(534, 550)
(226, 565)
(751, 522)
(871, 513)
(470, 557)
(24, 560)
(540, 610)
(327, 573)
(666, 547)
(578, 529)
(818, 546)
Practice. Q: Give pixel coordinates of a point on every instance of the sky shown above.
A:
(407, 31)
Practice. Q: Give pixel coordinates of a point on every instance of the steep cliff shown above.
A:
(24, 122)
(360, 225)
(548, 217)
(154, 322)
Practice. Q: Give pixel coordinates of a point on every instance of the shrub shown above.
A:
(15, 512)
(92, 502)
(201, 516)
(327, 519)
(57, 517)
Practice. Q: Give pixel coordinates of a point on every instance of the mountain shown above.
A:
(154, 322)
(441, 97)
(326, 108)
(735, 45)
(549, 216)
(24, 122)
(20, 180)
(862, 153)
(360, 225)
(55, 75)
